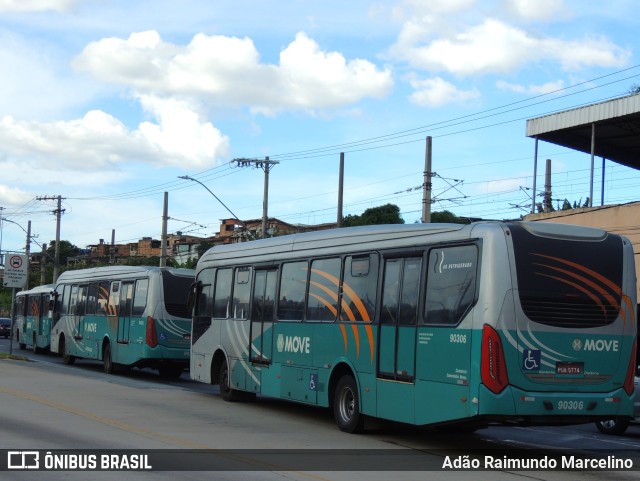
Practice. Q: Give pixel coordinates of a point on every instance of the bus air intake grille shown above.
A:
(178, 310)
(569, 314)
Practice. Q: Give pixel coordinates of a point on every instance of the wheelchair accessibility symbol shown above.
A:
(531, 359)
(313, 382)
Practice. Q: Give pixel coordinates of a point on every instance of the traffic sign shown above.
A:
(15, 270)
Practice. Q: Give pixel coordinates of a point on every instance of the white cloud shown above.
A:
(36, 5)
(496, 47)
(227, 71)
(99, 140)
(435, 92)
(545, 88)
(535, 9)
(13, 196)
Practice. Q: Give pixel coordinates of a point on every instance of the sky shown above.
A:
(106, 103)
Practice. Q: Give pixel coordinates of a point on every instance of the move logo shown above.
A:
(601, 345)
(296, 344)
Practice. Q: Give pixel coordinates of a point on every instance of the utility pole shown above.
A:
(43, 264)
(265, 165)
(163, 241)
(426, 190)
(340, 190)
(112, 250)
(58, 212)
(27, 251)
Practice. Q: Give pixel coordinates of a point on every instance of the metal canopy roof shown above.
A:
(615, 123)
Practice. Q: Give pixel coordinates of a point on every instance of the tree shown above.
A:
(448, 217)
(67, 249)
(385, 214)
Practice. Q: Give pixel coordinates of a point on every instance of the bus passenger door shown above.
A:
(398, 319)
(262, 312)
(124, 313)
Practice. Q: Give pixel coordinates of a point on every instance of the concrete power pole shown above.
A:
(43, 264)
(265, 165)
(58, 212)
(547, 188)
(340, 189)
(163, 241)
(27, 251)
(426, 190)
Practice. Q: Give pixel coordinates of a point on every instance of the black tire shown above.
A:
(614, 427)
(36, 349)
(67, 358)
(346, 405)
(226, 391)
(109, 365)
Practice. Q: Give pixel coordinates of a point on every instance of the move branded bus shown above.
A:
(33, 318)
(124, 316)
(530, 323)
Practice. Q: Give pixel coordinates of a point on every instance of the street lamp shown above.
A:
(186, 177)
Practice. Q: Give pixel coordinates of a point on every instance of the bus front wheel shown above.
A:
(226, 391)
(346, 405)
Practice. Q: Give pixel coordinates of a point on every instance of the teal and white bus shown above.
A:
(33, 318)
(530, 323)
(124, 316)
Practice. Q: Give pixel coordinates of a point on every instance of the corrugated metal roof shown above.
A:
(617, 129)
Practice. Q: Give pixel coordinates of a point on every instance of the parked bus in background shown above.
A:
(530, 323)
(33, 318)
(125, 317)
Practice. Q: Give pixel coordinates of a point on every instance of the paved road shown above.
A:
(47, 405)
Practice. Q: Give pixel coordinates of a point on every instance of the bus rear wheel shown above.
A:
(67, 358)
(346, 405)
(109, 365)
(615, 426)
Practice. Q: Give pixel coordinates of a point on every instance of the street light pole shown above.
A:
(186, 177)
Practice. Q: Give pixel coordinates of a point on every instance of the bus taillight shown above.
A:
(493, 366)
(152, 336)
(631, 370)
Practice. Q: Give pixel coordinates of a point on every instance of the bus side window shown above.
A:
(400, 291)
(241, 293)
(359, 285)
(103, 298)
(140, 297)
(222, 293)
(293, 285)
(20, 305)
(81, 306)
(451, 284)
(73, 300)
(114, 298)
(92, 298)
(204, 301)
(323, 290)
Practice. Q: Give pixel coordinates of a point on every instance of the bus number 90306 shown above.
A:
(570, 405)
(458, 338)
